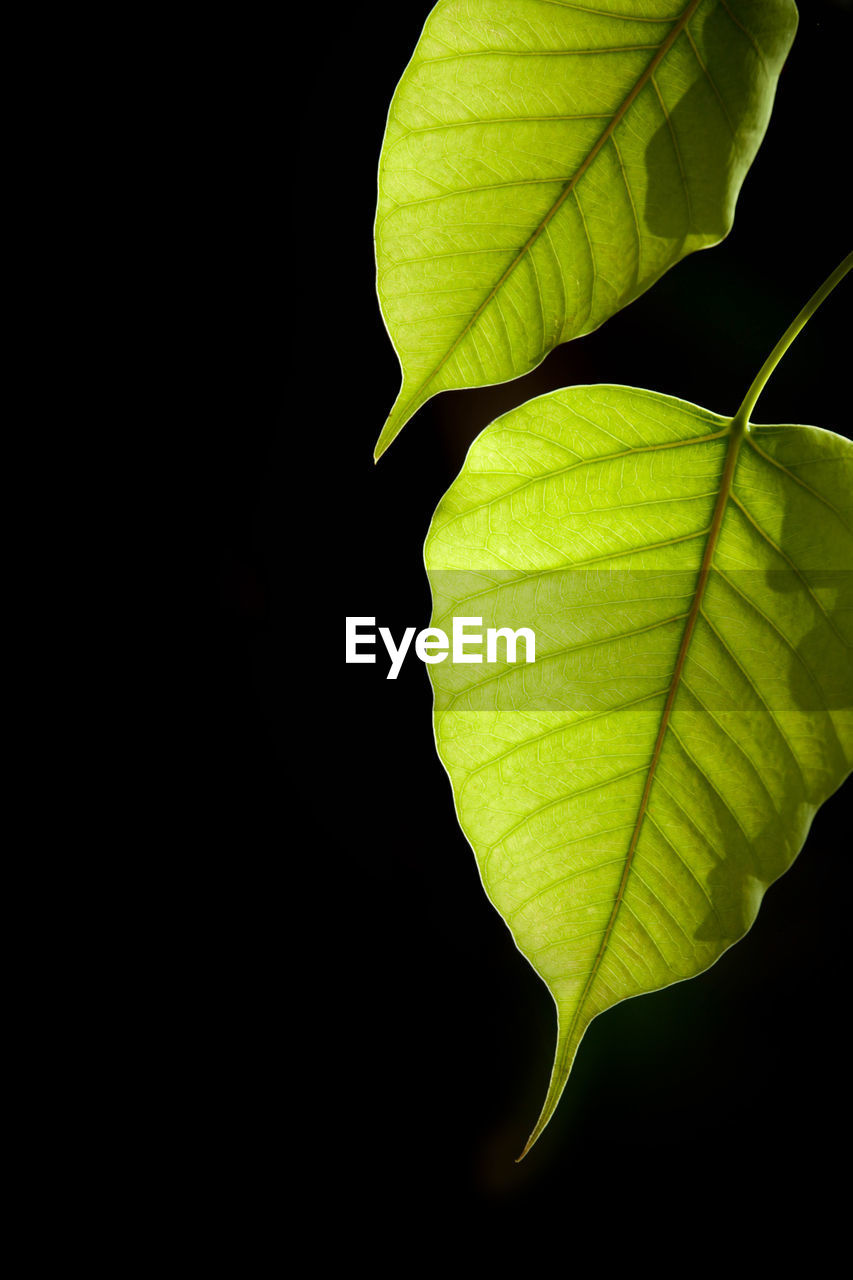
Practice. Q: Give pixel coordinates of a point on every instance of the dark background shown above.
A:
(359, 1021)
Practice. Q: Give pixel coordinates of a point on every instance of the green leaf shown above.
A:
(631, 794)
(545, 162)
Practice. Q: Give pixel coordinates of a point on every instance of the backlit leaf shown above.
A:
(545, 162)
(631, 794)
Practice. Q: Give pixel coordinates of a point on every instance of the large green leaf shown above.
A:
(545, 162)
(631, 794)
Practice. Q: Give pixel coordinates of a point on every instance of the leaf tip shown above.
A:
(567, 1044)
(382, 443)
(528, 1144)
(404, 408)
(547, 1112)
(387, 435)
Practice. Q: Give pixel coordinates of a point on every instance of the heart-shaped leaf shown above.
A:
(631, 794)
(545, 162)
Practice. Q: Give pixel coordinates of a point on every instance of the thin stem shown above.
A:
(741, 418)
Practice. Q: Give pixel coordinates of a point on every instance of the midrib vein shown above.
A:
(643, 80)
(737, 434)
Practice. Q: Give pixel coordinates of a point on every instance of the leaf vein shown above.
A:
(659, 55)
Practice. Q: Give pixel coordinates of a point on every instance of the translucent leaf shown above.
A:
(631, 794)
(545, 162)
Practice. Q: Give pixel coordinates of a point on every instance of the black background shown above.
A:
(360, 1025)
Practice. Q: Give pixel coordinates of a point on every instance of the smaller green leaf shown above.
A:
(689, 579)
(545, 162)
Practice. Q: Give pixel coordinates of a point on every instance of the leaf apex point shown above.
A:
(385, 439)
(527, 1146)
